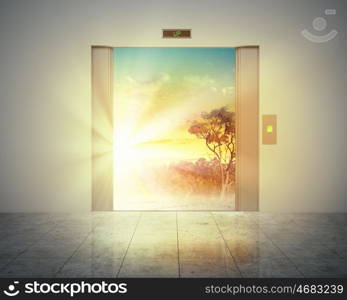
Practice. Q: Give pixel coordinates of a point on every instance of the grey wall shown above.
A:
(45, 95)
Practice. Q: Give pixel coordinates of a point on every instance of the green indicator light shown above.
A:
(269, 128)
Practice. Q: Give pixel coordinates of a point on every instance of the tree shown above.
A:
(217, 128)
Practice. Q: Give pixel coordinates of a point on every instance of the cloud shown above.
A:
(228, 90)
(207, 84)
(167, 87)
(131, 86)
(196, 81)
(170, 99)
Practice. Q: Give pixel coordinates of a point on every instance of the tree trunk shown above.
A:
(222, 191)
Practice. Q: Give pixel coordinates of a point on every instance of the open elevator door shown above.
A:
(170, 126)
(174, 128)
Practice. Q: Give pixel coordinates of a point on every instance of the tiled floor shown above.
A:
(173, 244)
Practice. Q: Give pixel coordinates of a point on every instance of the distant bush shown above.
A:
(199, 177)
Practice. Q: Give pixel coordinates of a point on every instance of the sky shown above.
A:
(159, 91)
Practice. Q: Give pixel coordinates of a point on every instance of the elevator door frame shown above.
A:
(247, 127)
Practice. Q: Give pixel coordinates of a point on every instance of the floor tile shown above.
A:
(4, 262)
(311, 251)
(226, 219)
(152, 251)
(202, 248)
(169, 244)
(208, 268)
(148, 242)
(62, 250)
(20, 239)
(100, 267)
(245, 251)
(27, 229)
(98, 250)
(269, 267)
(12, 251)
(341, 250)
(151, 268)
(26, 267)
(322, 267)
(29, 218)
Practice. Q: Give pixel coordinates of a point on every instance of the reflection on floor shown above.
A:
(170, 244)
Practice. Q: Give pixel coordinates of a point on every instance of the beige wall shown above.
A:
(45, 95)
